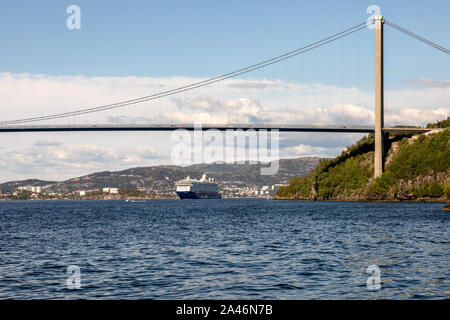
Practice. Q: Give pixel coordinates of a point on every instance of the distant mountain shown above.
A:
(161, 179)
(13, 185)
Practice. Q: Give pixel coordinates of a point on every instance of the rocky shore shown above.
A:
(362, 199)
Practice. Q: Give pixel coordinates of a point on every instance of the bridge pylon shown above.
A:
(379, 98)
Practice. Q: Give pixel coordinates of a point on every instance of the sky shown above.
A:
(130, 49)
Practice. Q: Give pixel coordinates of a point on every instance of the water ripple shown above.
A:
(223, 249)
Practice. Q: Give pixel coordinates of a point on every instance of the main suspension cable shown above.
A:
(430, 43)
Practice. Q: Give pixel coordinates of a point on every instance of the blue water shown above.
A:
(223, 249)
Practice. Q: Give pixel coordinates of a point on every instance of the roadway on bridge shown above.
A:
(192, 127)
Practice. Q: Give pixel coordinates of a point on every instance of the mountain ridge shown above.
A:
(161, 178)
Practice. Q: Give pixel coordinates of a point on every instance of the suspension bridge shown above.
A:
(46, 123)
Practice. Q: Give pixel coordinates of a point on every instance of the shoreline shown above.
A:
(124, 199)
(437, 200)
(444, 201)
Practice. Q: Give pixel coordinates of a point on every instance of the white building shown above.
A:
(111, 190)
(36, 189)
(30, 188)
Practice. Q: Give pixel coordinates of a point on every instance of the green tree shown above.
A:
(435, 190)
(447, 189)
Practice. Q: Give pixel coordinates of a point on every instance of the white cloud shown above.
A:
(47, 143)
(60, 161)
(432, 83)
(304, 150)
(206, 103)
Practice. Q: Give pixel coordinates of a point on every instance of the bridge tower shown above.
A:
(379, 98)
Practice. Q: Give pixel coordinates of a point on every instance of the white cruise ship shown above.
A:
(197, 189)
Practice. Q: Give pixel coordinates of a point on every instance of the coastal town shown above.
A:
(234, 181)
(29, 192)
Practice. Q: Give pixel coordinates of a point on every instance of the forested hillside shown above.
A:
(416, 168)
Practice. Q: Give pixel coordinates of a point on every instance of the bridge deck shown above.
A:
(191, 127)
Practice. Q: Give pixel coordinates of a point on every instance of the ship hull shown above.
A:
(198, 195)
